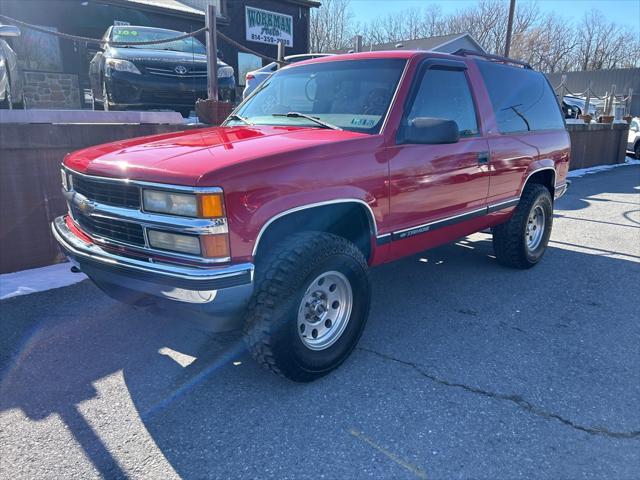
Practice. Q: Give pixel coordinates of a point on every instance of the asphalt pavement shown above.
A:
(466, 370)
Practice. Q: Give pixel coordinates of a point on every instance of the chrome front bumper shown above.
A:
(222, 291)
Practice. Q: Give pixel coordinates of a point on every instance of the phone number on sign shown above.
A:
(269, 39)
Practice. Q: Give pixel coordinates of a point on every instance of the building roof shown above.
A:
(426, 43)
(175, 5)
(198, 7)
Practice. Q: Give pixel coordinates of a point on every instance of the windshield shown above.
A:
(133, 35)
(350, 94)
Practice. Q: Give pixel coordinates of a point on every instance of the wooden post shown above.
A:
(611, 99)
(358, 43)
(507, 43)
(560, 92)
(585, 111)
(212, 53)
(280, 56)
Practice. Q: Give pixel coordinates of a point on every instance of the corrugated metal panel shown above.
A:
(623, 79)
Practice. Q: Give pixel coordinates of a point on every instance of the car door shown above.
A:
(435, 189)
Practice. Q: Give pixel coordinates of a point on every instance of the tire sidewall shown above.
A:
(544, 200)
(292, 351)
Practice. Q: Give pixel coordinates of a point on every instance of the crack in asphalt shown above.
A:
(516, 399)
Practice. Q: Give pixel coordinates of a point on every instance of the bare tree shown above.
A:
(331, 26)
(549, 42)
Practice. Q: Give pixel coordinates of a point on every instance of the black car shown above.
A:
(164, 75)
(11, 81)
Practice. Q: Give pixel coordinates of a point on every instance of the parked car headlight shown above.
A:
(184, 204)
(225, 71)
(122, 65)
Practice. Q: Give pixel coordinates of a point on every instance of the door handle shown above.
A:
(483, 158)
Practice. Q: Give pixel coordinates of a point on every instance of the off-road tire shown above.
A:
(282, 277)
(509, 241)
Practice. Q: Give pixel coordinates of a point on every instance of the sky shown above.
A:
(623, 12)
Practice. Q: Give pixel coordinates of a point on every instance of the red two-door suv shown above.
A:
(332, 166)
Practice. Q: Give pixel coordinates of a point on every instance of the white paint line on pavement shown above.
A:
(38, 280)
(601, 168)
(181, 359)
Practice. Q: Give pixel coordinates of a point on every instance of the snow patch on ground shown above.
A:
(601, 168)
(38, 280)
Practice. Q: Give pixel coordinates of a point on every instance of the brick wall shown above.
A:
(51, 90)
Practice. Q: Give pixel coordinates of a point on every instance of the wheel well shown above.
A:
(545, 177)
(350, 220)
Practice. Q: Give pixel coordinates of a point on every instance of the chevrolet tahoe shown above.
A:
(333, 166)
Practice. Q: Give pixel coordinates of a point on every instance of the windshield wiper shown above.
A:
(308, 117)
(238, 117)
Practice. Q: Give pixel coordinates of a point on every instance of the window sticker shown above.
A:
(362, 122)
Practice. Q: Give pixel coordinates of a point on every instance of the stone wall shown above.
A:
(51, 90)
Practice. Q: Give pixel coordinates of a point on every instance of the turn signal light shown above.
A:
(210, 205)
(215, 246)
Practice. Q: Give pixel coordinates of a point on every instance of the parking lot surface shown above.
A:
(466, 370)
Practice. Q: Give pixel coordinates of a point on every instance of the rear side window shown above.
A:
(522, 99)
(445, 94)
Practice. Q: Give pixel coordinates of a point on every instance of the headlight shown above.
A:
(122, 65)
(174, 242)
(225, 72)
(172, 203)
(184, 204)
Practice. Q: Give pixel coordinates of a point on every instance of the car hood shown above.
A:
(154, 55)
(183, 158)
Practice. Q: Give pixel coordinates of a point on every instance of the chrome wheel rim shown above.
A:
(535, 228)
(325, 310)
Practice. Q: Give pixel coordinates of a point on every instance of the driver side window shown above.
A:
(445, 94)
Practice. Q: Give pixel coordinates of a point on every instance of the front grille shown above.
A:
(192, 72)
(110, 193)
(110, 229)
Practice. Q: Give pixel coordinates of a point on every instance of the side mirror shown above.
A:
(9, 31)
(430, 131)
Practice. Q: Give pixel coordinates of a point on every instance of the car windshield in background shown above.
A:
(133, 35)
(350, 94)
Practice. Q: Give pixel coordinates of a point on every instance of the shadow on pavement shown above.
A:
(212, 412)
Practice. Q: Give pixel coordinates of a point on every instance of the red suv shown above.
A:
(333, 166)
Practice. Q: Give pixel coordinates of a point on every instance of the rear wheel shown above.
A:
(310, 306)
(636, 150)
(522, 241)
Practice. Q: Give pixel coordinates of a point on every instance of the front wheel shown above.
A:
(309, 307)
(522, 241)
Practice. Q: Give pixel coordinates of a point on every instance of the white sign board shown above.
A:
(264, 26)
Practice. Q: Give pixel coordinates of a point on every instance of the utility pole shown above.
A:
(358, 43)
(507, 45)
(212, 53)
(280, 54)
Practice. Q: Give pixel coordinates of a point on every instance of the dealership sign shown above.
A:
(268, 27)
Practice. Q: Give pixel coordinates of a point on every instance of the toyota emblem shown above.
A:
(180, 70)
